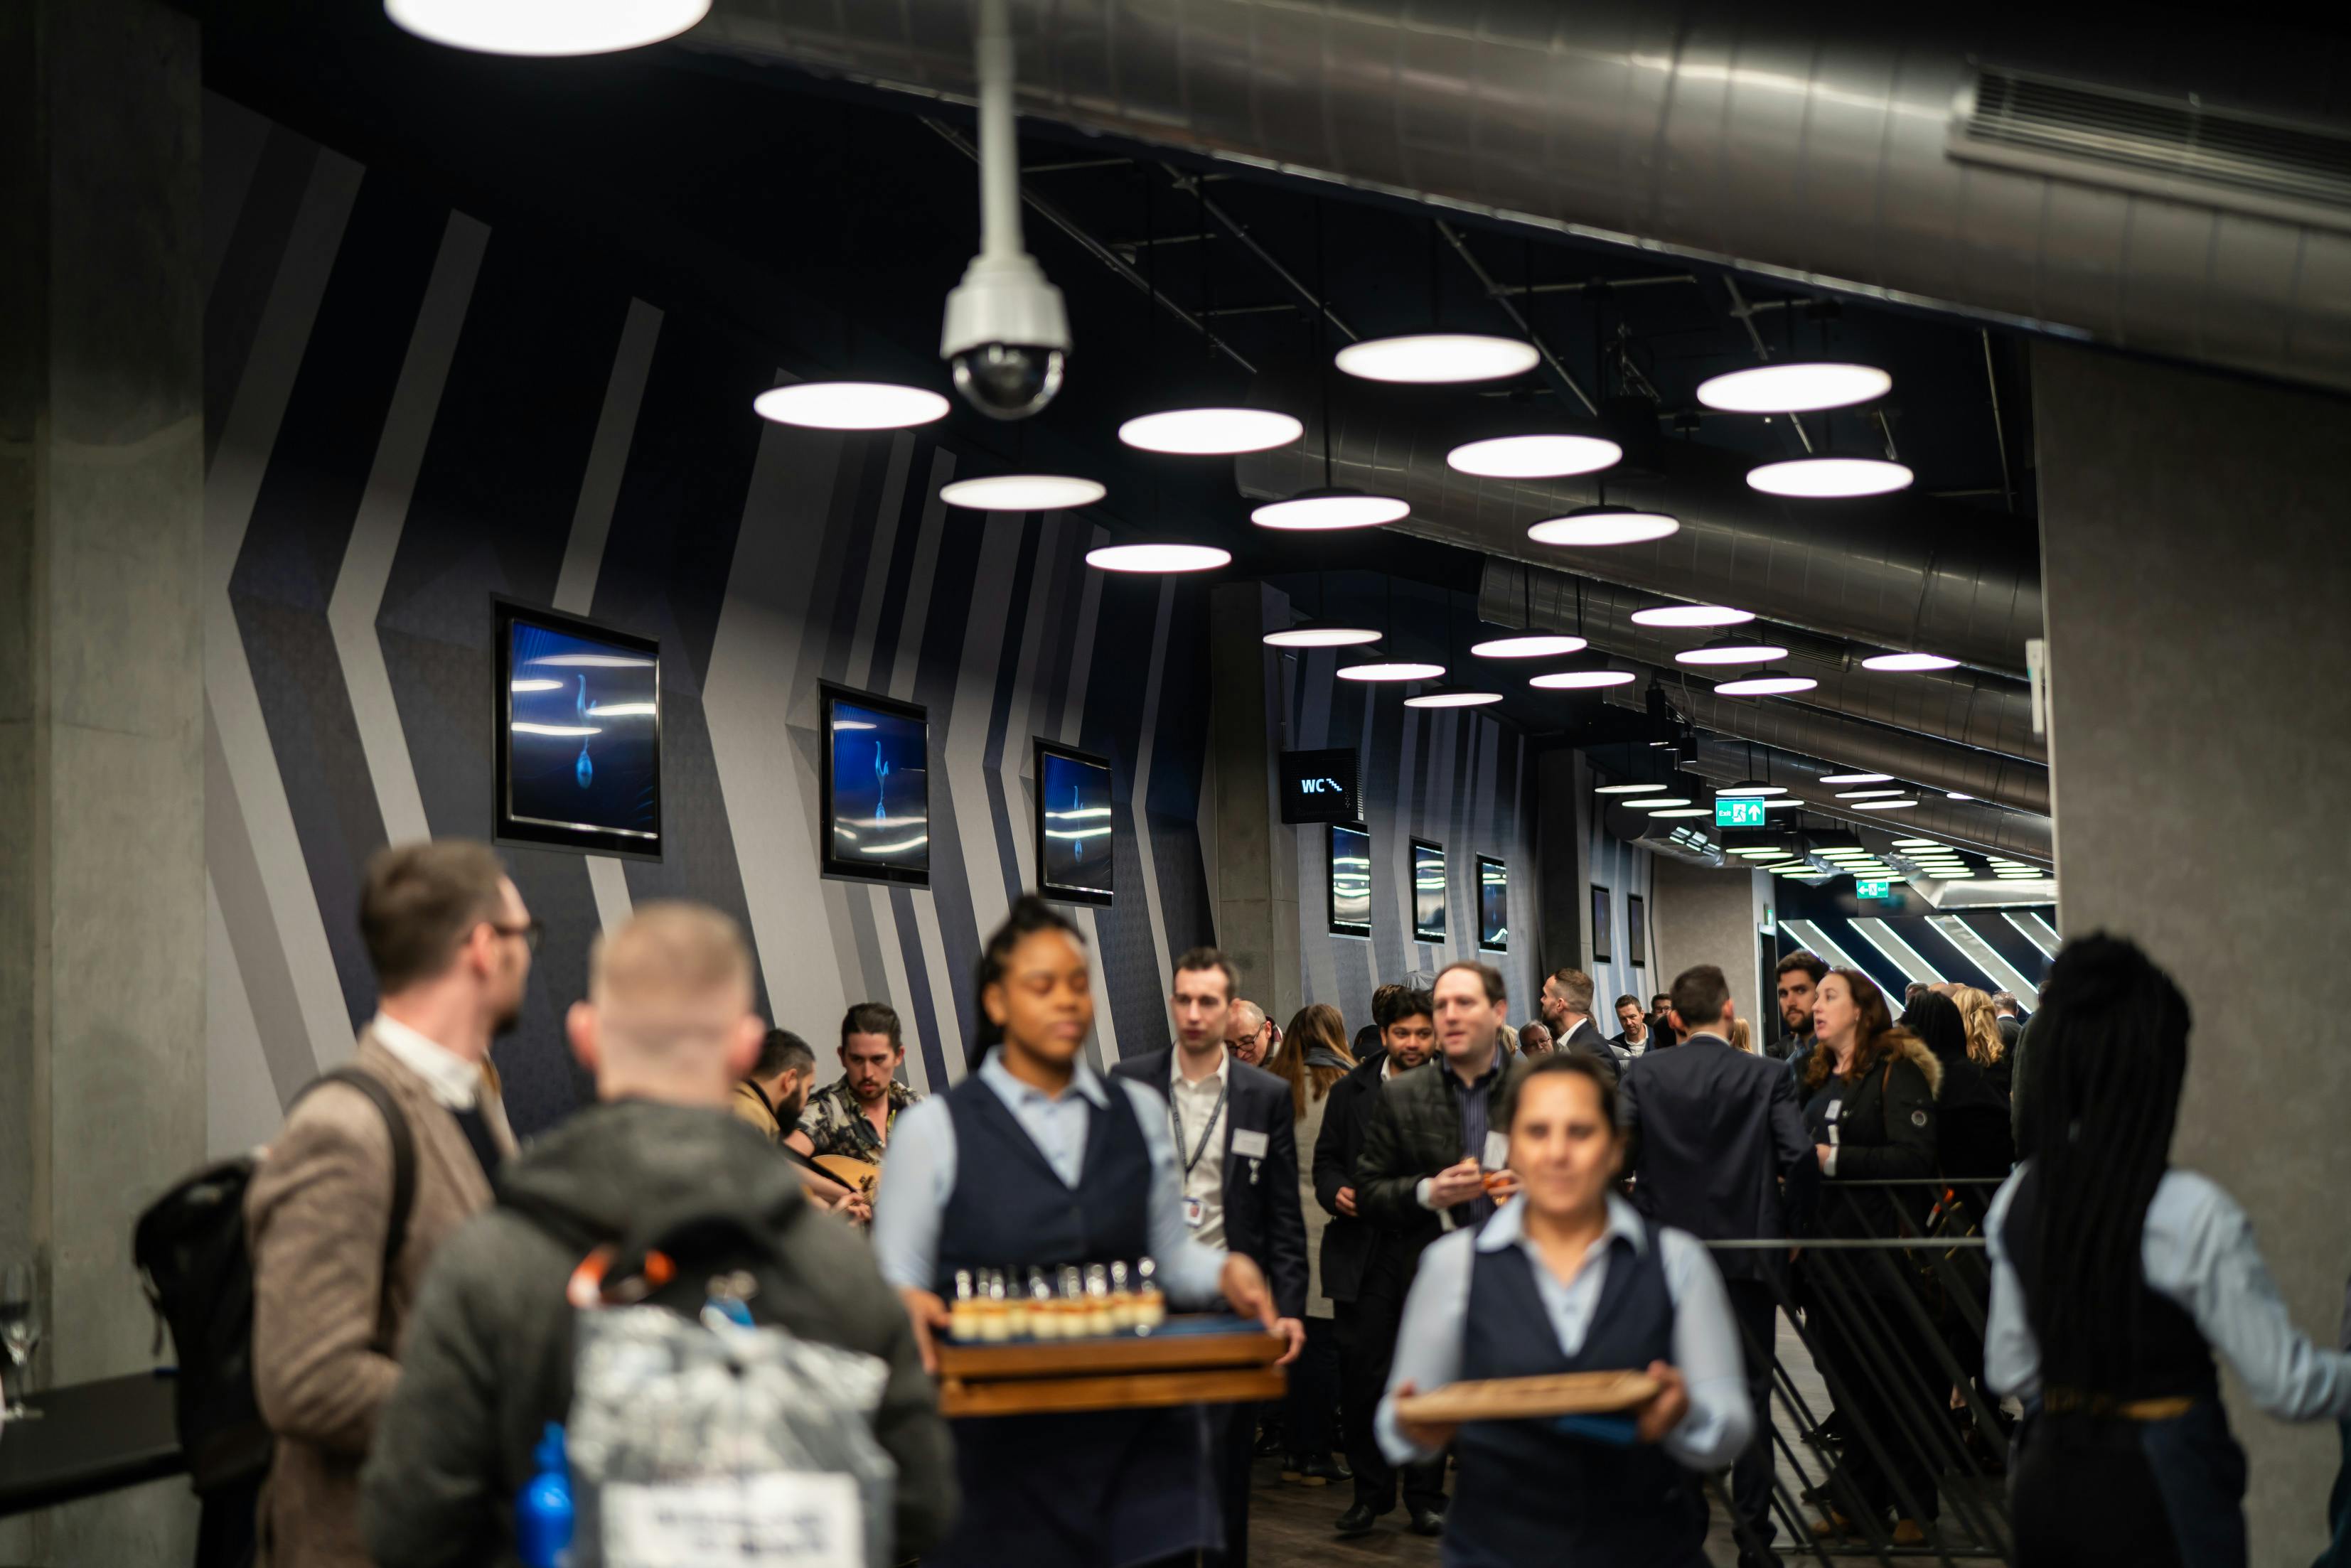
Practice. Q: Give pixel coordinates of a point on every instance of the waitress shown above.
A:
(1036, 1161)
(2114, 1278)
(1568, 1277)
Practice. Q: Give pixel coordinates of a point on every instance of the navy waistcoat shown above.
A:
(1010, 1208)
(1530, 1494)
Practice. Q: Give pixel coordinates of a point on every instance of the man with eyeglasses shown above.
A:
(375, 1166)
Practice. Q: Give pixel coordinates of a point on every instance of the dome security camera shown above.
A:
(1006, 336)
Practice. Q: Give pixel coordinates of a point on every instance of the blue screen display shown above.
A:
(1493, 906)
(1350, 881)
(583, 733)
(880, 790)
(1428, 893)
(1074, 797)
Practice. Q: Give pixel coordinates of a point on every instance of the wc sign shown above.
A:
(1320, 786)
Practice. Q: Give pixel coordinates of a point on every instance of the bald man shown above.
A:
(1249, 1033)
(668, 1030)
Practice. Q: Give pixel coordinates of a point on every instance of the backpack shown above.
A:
(191, 1251)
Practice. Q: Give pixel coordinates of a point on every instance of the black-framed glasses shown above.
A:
(529, 931)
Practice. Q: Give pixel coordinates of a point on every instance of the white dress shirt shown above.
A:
(455, 1083)
(1192, 1107)
(1705, 1341)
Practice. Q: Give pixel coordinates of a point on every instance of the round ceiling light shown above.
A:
(1582, 679)
(1315, 635)
(1690, 615)
(1627, 789)
(1158, 558)
(1856, 778)
(1829, 478)
(1211, 432)
(850, 406)
(1592, 526)
(1447, 698)
(1793, 388)
(546, 26)
(1022, 493)
(1761, 854)
(1731, 653)
(1535, 645)
(1955, 795)
(1907, 662)
(1659, 802)
(1534, 457)
(1779, 801)
(1765, 686)
(1868, 794)
(1883, 805)
(1752, 789)
(1435, 357)
(1337, 508)
(1391, 670)
(1686, 812)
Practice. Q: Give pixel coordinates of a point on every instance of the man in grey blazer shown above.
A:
(451, 945)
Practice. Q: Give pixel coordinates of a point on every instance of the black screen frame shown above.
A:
(1333, 924)
(1060, 893)
(1412, 865)
(1602, 926)
(831, 865)
(1499, 864)
(531, 833)
(1636, 930)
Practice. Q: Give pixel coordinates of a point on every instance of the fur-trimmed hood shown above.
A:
(1919, 1055)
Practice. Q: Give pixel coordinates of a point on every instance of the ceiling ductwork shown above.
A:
(1966, 823)
(1961, 706)
(1902, 572)
(1860, 152)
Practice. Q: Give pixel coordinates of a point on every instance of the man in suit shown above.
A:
(451, 945)
(1364, 1269)
(1567, 1008)
(1236, 1151)
(1714, 1131)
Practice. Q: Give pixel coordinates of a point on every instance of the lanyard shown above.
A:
(1208, 1133)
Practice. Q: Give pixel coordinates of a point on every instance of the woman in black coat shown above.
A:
(1973, 1137)
(1872, 1089)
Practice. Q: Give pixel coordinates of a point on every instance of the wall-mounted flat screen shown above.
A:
(1602, 937)
(876, 788)
(1428, 890)
(577, 713)
(1073, 825)
(1351, 880)
(1636, 930)
(1320, 786)
(1493, 906)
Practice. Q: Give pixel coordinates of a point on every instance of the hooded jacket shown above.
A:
(490, 1353)
(1885, 1130)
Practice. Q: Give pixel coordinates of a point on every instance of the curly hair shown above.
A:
(1984, 1044)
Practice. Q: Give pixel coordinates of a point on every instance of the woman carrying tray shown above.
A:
(1036, 1161)
(1569, 1279)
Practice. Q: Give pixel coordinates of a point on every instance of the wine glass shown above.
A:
(20, 1332)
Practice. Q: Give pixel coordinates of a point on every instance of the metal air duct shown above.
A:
(1839, 148)
(1977, 826)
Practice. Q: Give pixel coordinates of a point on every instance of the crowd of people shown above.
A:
(1441, 1197)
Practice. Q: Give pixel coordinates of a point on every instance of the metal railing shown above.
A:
(1877, 1406)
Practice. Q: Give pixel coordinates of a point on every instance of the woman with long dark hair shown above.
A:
(1567, 1277)
(1314, 1056)
(1036, 1162)
(1872, 1087)
(2116, 1277)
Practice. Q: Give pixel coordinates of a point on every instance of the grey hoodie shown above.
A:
(487, 1361)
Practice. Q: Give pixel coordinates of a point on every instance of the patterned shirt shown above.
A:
(836, 1125)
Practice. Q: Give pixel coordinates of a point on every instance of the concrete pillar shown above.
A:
(2198, 584)
(1256, 865)
(102, 696)
(1700, 915)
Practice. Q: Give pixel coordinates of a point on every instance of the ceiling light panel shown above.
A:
(546, 27)
(1313, 636)
(1691, 615)
(1436, 358)
(1211, 432)
(1158, 558)
(1534, 457)
(1732, 654)
(1795, 388)
(1023, 493)
(1533, 645)
(1765, 686)
(1592, 528)
(1452, 699)
(1392, 670)
(1823, 478)
(850, 406)
(1582, 679)
(1901, 663)
(1327, 509)
(1856, 778)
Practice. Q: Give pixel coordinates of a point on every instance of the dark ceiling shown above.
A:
(831, 222)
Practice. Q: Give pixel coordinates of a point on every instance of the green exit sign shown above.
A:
(1880, 889)
(1738, 811)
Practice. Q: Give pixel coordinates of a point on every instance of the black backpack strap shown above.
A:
(404, 1156)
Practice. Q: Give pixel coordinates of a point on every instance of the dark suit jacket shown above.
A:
(1416, 1132)
(1262, 1219)
(1586, 1038)
(1713, 1131)
(1347, 1240)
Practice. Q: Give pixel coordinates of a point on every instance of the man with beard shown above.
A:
(1567, 1010)
(371, 1173)
(1795, 979)
(771, 1098)
(852, 1116)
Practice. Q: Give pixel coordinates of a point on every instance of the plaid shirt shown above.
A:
(836, 1125)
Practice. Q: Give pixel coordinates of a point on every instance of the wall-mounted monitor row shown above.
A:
(1347, 857)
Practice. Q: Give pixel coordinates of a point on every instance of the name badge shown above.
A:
(1249, 1144)
(1196, 1213)
(1497, 1151)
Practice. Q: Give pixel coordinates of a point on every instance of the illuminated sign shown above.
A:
(1881, 888)
(1738, 811)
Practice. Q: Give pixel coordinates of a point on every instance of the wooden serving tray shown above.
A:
(1516, 1398)
(1188, 1361)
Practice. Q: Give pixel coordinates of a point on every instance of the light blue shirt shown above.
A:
(1706, 1337)
(919, 1177)
(2198, 1250)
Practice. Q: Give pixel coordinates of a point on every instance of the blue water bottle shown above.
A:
(543, 1512)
